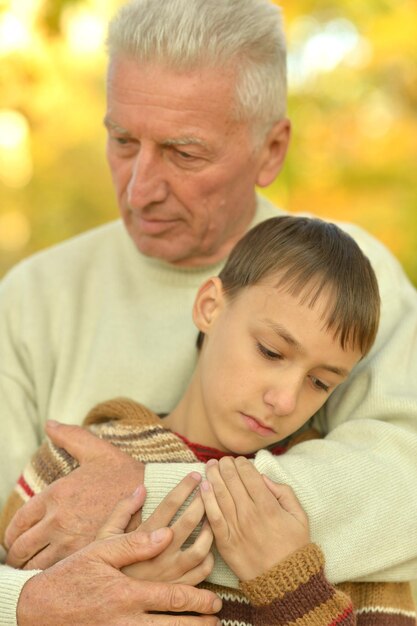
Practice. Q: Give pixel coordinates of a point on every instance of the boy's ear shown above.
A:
(273, 152)
(208, 302)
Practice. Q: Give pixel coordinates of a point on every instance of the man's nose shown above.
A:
(282, 396)
(148, 183)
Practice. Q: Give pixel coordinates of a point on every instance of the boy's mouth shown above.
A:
(257, 426)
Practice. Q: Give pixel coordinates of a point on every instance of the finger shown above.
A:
(177, 598)
(27, 516)
(199, 573)
(45, 558)
(204, 541)
(198, 551)
(214, 513)
(122, 513)
(77, 441)
(221, 491)
(170, 505)
(169, 620)
(188, 521)
(287, 498)
(158, 619)
(122, 550)
(251, 480)
(232, 480)
(27, 546)
(135, 521)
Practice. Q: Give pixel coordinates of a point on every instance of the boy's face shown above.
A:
(266, 366)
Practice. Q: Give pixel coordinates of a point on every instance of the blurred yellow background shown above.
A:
(353, 104)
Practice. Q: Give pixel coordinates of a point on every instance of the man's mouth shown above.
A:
(153, 226)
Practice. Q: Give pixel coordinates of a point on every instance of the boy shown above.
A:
(295, 308)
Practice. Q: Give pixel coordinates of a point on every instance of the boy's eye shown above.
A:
(268, 354)
(319, 384)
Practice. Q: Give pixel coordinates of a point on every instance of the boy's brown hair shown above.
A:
(310, 257)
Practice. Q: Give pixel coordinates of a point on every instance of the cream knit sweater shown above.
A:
(92, 319)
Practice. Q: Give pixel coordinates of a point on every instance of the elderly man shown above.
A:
(195, 120)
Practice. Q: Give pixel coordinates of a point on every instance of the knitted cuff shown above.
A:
(284, 577)
(11, 585)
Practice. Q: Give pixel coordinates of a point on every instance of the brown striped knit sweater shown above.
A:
(293, 593)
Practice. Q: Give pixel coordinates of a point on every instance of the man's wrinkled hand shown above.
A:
(68, 513)
(88, 589)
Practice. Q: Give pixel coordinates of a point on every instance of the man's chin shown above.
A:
(160, 248)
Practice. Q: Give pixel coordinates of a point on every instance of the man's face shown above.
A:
(267, 365)
(184, 170)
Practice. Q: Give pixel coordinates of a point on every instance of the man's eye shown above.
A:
(268, 354)
(184, 155)
(121, 141)
(319, 384)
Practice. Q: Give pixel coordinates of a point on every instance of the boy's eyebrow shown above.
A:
(340, 371)
(169, 141)
(282, 332)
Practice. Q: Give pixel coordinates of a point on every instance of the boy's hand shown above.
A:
(189, 566)
(88, 589)
(256, 523)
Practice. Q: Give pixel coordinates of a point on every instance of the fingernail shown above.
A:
(196, 476)
(217, 605)
(212, 462)
(52, 423)
(158, 535)
(205, 485)
(137, 491)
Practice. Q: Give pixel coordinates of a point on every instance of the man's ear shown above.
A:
(207, 304)
(273, 152)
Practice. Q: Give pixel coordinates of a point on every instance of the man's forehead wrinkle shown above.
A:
(178, 102)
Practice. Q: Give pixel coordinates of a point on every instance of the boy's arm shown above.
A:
(297, 589)
(262, 533)
(357, 485)
(364, 470)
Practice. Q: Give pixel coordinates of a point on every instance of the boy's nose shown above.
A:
(282, 398)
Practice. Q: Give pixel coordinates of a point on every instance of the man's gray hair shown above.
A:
(245, 35)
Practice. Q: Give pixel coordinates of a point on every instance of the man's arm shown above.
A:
(357, 485)
(65, 515)
(359, 482)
